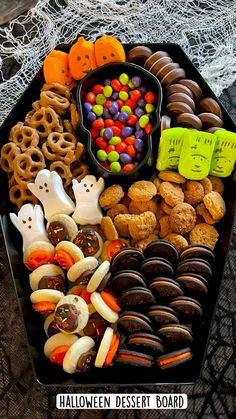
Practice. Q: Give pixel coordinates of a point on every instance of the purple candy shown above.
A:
(127, 131)
(139, 157)
(108, 133)
(123, 117)
(115, 95)
(107, 82)
(106, 113)
(91, 117)
(136, 80)
(140, 133)
(88, 107)
(125, 158)
(141, 103)
(143, 90)
(115, 116)
(137, 126)
(113, 108)
(138, 144)
(139, 112)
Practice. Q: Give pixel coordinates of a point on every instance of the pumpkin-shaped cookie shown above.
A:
(81, 58)
(56, 69)
(108, 49)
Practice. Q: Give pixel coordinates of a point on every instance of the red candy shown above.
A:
(101, 143)
(130, 140)
(90, 97)
(131, 103)
(98, 124)
(107, 104)
(149, 97)
(125, 88)
(110, 148)
(131, 151)
(116, 85)
(116, 130)
(120, 103)
(121, 147)
(128, 167)
(105, 164)
(135, 95)
(94, 133)
(97, 89)
(119, 125)
(132, 119)
(148, 128)
(109, 123)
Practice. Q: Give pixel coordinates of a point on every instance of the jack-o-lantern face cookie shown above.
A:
(81, 58)
(108, 49)
(56, 68)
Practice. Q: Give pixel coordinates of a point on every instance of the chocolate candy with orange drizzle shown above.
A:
(66, 317)
(57, 232)
(87, 241)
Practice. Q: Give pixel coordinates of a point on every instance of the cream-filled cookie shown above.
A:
(47, 276)
(71, 314)
(79, 356)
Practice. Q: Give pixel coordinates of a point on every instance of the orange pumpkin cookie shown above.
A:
(108, 49)
(81, 58)
(56, 68)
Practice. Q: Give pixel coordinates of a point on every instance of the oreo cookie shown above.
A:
(161, 315)
(174, 359)
(198, 266)
(127, 279)
(198, 251)
(146, 342)
(176, 335)
(134, 358)
(186, 307)
(127, 258)
(136, 297)
(165, 288)
(132, 321)
(152, 267)
(163, 249)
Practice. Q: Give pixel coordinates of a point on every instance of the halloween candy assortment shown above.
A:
(119, 271)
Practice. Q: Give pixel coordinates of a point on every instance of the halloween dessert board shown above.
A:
(116, 169)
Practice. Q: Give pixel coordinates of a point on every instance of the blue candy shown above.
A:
(108, 133)
(91, 117)
(123, 117)
(127, 131)
(125, 158)
(140, 133)
(138, 144)
(136, 80)
(113, 108)
(139, 112)
(88, 107)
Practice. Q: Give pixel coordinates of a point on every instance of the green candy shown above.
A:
(149, 108)
(115, 140)
(170, 148)
(196, 154)
(123, 95)
(224, 154)
(102, 132)
(107, 91)
(113, 156)
(124, 79)
(115, 167)
(100, 99)
(131, 85)
(101, 155)
(126, 109)
(98, 110)
(143, 121)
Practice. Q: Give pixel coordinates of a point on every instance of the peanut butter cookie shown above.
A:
(203, 211)
(170, 176)
(121, 222)
(193, 192)
(165, 207)
(142, 244)
(116, 210)
(204, 234)
(179, 241)
(142, 190)
(109, 229)
(207, 185)
(165, 228)
(138, 207)
(111, 196)
(217, 184)
(215, 205)
(141, 226)
(182, 218)
(172, 193)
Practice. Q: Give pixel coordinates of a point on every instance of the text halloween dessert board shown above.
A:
(120, 272)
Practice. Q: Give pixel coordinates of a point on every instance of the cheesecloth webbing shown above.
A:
(206, 31)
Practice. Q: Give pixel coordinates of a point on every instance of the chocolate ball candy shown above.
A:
(140, 133)
(125, 158)
(88, 107)
(123, 117)
(138, 144)
(127, 131)
(136, 80)
(113, 108)
(91, 117)
(108, 133)
(139, 112)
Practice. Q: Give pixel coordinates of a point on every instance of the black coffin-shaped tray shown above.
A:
(49, 374)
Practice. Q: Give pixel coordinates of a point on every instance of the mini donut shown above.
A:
(139, 54)
(78, 269)
(155, 57)
(89, 241)
(47, 276)
(61, 227)
(98, 276)
(49, 326)
(57, 345)
(71, 314)
(45, 301)
(107, 349)
(37, 254)
(67, 254)
(79, 356)
(103, 309)
(188, 120)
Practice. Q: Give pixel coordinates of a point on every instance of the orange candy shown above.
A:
(112, 350)
(44, 307)
(108, 49)
(81, 58)
(56, 69)
(64, 259)
(38, 258)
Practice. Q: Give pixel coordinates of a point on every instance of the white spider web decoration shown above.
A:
(205, 30)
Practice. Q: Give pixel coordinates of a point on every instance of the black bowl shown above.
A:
(98, 76)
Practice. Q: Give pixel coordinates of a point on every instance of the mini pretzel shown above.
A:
(11, 180)
(60, 146)
(79, 170)
(74, 116)
(24, 137)
(68, 126)
(19, 195)
(63, 170)
(8, 154)
(57, 102)
(36, 105)
(28, 164)
(80, 150)
(58, 88)
(45, 120)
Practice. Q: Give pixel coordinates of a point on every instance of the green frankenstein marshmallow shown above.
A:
(224, 155)
(196, 154)
(170, 148)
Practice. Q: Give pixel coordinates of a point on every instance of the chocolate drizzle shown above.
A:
(87, 241)
(66, 317)
(57, 232)
(54, 282)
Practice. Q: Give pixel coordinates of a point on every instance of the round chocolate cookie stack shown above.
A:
(161, 293)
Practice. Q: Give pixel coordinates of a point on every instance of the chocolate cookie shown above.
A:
(146, 342)
(165, 288)
(163, 249)
(127, 258)
(139, 54)
(199, 251)
(193, 285)
(187, 308)
(136, 297)
(188, 120)
(161, 315)
(150, 268)
(125, 280)
(132, 321)
(194, 87)
(133, 358)
(176, 335)
(174, 359)
(200, 266)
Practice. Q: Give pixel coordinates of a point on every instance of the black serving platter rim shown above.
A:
(175, 51)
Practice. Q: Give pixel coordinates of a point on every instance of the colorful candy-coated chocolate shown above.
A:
(98, 88)
(101, 155)
(139, 112)
(127, 109)
(115, 140)
(123, 95)
(149, 97)
(108, 133)
(101, 143)
(138, 144)
(131, 151)
(109, 148)
(116, 130)
(130, 140)
(98, 124)
(128, 167)
(115, 167)
(108, 123)
(141, 103)
(121, 147)
(132, 120)
(107, 82)
(91, 116)
(100, 99)
(136, 80)
(143, 121)
(113, 108)
(124, 79)
(125, 158)
(88, 107)
(127, 131)
(113, 156)
(107, 91)
(98, 110)
(123, 117)
(116, 85)
(135, 95)
(115, 95)
(90, 97)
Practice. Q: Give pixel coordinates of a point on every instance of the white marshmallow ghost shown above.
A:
(30, 223)
(87, 193)
(48, 188)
